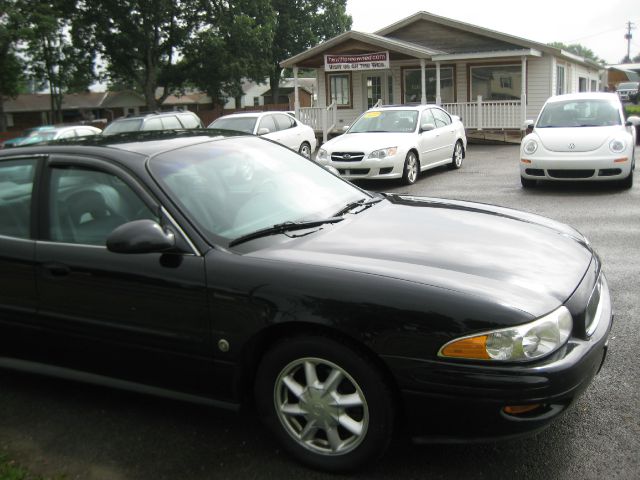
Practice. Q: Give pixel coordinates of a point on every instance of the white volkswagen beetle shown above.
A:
(396, 142)
(580, 136)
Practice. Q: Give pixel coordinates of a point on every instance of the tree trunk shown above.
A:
(274, 83)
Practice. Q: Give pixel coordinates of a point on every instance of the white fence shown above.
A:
(320, 118)
(479, 115)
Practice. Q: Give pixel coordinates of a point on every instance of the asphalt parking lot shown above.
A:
(83, 432)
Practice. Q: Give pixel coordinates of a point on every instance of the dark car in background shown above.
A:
(228, 270)
(628, 91)
(154, 121)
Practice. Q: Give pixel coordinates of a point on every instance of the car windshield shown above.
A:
(628, 86)
(234, 187)
(239, 124)
(386, 121)
(119, 126)
(579, 113)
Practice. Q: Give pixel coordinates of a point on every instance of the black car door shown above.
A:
(141, 317)
(17, 250)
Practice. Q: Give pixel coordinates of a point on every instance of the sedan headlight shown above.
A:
(515, 344)
(530, 147)
(384, 152)
(616, 145)
(322, 154)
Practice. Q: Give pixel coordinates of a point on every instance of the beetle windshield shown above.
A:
(234, 187)
(579, 113)
(386, 121)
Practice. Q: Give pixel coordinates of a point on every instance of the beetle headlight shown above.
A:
(616, 145)
(384, 152)
(322, 154)
(515, 344)
(530, 147)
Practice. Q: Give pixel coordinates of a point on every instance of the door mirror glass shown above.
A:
(427, 127)
(263, 130)
(140, 236)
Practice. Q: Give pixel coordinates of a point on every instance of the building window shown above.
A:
(560, 85)
(256, 101)
(9, 119)
(340, 89)
(594, 85)
(497, 82)
(413, 85)
(582, 84)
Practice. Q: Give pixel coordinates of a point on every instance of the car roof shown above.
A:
(154, 114)
(253, 114)
(612, 97)
(147, 143)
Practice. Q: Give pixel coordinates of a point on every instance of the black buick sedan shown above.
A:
(230, 271)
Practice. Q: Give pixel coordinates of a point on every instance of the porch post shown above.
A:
(523, 94)
(423, 98)
(438, 97)
(296, 101)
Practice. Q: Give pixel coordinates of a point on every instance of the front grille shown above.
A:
(347, 156)
(353, 171)
(538, 172)
(571, 173)
(608, 172)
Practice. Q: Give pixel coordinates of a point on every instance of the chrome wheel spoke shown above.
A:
(350, 424)
(333, 380)
(310, 374)
(335, 442)
(309, 431)
(348, 401)
(293, 386)
(292, 409)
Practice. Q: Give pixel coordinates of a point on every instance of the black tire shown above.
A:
(305, 150)
(458, 156)
(411, 169)
(528, 183)
(291, 409)
(627, 183)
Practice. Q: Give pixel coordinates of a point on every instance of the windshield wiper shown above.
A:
(363, 202)
(282, 228)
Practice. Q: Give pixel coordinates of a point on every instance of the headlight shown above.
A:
(515, 344)
(322, 155)
(530, 147)
(384, 152)
(617, 146)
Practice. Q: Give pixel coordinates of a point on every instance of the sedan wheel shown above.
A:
(327, 404)
(305, 150)
(458, 156)
(411, 169)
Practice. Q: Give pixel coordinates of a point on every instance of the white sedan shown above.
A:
(580, 136)
(396, 142)
(280, 127)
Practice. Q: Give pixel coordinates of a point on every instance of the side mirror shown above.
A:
(140, 236)
(527, 126)
(345, 128)
(263, 130)
(633, 121)
(427, 127)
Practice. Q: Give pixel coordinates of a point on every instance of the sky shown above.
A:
(597, 25)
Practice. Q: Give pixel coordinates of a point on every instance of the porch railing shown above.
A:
(495, 114)
(322, 119)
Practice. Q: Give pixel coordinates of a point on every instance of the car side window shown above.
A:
(442, 118)
(189, 121)
(427, 118)
(284, 121)
(267, 122)
(171, 122)
(152, 124)
(85, 206)
(16, 187)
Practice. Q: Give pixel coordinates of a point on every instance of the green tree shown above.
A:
(579, 50)
(233, 42)
(53, 52)
(139, 40)
(300, 25)
(12, 30)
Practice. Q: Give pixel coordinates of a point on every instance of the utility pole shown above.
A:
(628, 37)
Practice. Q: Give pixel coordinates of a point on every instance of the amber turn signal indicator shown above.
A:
(518, 409)
(474, 347)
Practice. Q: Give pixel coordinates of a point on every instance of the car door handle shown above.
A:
(57, 269)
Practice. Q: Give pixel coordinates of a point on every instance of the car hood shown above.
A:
(520, 260)
(367, 142)
(576, 139)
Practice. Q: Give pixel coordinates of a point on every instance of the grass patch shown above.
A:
(631, 110)
(10, 470)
